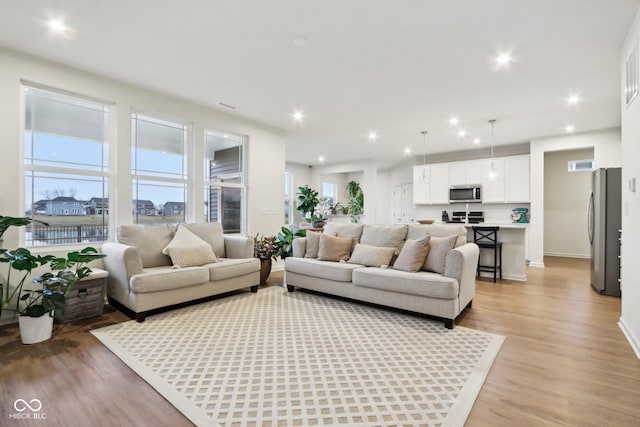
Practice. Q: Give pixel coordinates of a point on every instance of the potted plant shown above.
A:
(307, 202)
(356, 200)
(265, 248)
(38, 307)
(285, 240)
(321, 212)
(13, 221)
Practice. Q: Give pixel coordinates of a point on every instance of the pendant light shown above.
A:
(492, 170)
(424, 154)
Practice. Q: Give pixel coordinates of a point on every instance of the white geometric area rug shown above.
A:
(297, 359)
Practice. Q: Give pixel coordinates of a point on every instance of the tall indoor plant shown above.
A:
(307, 202)
(286, 238)
(356, 200)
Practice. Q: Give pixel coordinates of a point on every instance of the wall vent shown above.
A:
(579, 165)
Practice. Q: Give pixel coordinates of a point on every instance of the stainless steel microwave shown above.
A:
(465, 194)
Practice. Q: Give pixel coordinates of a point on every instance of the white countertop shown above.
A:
(516, 225)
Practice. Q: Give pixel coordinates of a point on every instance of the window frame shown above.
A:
(209, 183)
(103, 173)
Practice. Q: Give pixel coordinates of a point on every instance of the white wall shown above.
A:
(606, 153)
(630, 318)
(566, 200)
(301, 177)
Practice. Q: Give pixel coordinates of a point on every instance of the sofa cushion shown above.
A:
(313, 243)
(150, 240)
(157, 279)
(372, 256)
(390, 236)
(337, 271)
(228, 268)
(422, 283)
(334, 248)
(187, 250)
(439, 247)
(352, 231)
(413, 255)
(210, 232)
(418, 231)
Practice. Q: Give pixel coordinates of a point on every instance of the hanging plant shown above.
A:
(355, 205)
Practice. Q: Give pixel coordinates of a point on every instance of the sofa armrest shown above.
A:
(299, 246)
(238, 246)
(122, 262)
(461, 264)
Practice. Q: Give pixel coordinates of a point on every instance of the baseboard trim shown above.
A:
(565, 255)
(536, 264)
(522, 278)
(633, 340)
(278, 267)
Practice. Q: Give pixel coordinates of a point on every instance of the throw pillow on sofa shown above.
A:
(187, 250)
(439, 247)
(334, 248)
(313, 244)
(413, 255)
(372, 256)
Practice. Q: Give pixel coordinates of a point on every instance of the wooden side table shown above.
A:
(87, 297)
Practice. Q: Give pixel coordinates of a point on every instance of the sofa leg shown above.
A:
(254, 288)
(290, 288)
(448, 323)
(470, 304)
(140, 317)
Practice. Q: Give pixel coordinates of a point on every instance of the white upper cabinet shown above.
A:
(458, 173)
(421, 185)
(439, 183)
(517, 179)
(474, 170)
(493, 189)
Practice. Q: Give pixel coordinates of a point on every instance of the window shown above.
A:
(579, 165)
(288, 198)
(159, 170)
(66, 167)
(329, 191)
(224, 180)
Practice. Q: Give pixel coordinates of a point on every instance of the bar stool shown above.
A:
(487, 238)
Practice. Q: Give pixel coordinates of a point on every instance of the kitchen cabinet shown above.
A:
(517, 179)
(458, 173)
(493, 189)
(439, 183)
(421, 184)
(403, 207)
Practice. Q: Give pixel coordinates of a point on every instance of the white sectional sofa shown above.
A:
(143, 278)
(442, 294)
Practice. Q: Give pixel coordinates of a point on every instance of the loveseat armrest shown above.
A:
(299, 246)
(238, 247)
(122, 262)
(461, 264)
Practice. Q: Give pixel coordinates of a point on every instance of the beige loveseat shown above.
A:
(442, 294)
(143, 278)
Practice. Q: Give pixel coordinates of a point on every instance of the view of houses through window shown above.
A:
(158, 170)
(66, 168)
(224, 180)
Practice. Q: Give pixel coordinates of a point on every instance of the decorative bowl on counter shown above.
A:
(425, 221)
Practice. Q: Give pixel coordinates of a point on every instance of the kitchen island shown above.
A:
(514, 238)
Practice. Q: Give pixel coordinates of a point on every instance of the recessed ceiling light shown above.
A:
(407, 150)
(453, 121)
(462, 132)
(503, 59)
(476, 141)
(298, 116)
(321, 159)
(59, 27)
(372, 136)
(570, 129)
(300, 41)
(573, 99)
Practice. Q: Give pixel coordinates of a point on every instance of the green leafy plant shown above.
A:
(51, 298)
(266, 247)
(13, 221)
(285, 238)
(23, 262)
(356, 200)
(307, 202)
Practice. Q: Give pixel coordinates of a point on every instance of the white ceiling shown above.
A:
(396, 68)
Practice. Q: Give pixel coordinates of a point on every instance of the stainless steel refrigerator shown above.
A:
(604, 222)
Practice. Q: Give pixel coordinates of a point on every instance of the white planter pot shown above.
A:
(35, 329)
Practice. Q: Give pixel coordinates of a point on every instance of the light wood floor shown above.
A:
(564, 362)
